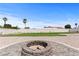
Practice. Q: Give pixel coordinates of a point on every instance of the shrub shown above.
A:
(7, 26)
(15, 27)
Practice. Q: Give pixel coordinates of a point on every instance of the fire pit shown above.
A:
(36, 48)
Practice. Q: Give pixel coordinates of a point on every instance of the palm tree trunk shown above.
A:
(4, 22)
(25, 25)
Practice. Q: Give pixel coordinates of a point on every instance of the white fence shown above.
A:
(12, 31)
(74, 30)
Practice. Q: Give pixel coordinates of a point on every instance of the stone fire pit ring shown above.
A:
(42, 48)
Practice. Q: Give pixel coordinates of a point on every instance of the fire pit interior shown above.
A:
(37, 45)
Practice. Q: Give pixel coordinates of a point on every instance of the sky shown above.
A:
(39, 15)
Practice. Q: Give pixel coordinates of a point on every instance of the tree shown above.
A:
(4, 19)
(68, 26)
(25, 21)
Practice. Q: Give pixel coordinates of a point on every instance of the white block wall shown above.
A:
(12, 31)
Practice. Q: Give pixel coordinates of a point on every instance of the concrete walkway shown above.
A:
(70, 40)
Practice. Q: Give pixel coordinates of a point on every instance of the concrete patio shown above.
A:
(70, 40)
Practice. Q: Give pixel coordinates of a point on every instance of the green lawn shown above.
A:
(41, 34)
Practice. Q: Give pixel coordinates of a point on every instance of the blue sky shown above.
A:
(40, 14)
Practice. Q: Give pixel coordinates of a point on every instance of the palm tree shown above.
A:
(76, 25)
(25, 21)
(4, 19)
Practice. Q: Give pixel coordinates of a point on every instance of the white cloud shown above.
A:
(41, 24)
(16, 21)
